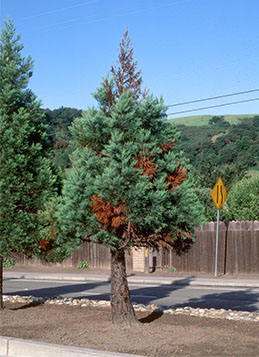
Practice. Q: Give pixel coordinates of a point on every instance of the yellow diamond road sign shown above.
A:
(219, 194)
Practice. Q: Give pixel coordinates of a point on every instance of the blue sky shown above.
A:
(187, 49)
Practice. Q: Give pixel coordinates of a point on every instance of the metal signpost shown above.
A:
(219, 196)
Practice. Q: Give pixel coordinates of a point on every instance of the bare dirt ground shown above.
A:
(157, 334)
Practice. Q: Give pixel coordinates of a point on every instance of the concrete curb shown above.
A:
(14, 347)
(53, 276)
(213, 282)
(199, 282)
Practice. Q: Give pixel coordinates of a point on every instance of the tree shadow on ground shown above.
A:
(151, 292)
(58, 288)
(240, 300)
(27, 306)
(152, 317)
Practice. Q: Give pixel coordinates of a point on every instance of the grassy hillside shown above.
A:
(199, 120)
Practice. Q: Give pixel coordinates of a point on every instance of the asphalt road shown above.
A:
(162, 295)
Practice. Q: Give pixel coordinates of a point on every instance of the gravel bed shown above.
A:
(190, 311)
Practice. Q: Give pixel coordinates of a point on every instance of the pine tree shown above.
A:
(26, 177)
(128, 187)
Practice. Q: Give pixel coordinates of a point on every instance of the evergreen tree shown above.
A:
(128, 187)
(26, 178)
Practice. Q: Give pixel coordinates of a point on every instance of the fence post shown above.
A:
(226, 249)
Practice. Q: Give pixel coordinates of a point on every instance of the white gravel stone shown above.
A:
(187, 310)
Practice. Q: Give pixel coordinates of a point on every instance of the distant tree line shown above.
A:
(227, 151)
(217, 145)
(221, 143)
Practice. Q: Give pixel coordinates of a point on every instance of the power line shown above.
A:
(214, 106)
(59, 10)
(211, 98)
(98, 18)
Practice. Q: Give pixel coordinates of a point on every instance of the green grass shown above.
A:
(253, 171)
(199, 120)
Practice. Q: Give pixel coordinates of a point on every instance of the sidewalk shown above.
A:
(138, 279)
(13, 347)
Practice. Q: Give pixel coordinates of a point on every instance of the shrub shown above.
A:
(171, 269)
(8, 263)
(83, 265)
(242, 200)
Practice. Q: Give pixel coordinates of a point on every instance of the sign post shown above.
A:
(219, 196)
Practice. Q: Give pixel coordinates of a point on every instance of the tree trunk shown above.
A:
(122, 309)
(1, 284)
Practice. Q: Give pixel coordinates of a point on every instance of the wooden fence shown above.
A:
(238, 252)
(97, 255)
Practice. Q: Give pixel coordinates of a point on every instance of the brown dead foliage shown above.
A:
(147, 164)
(108, 215)
(167, 146)
(60, 144)
(54, 234)
(165, 242)
(110, 95)
(44, 244)
(176, 178)
(125, 75)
